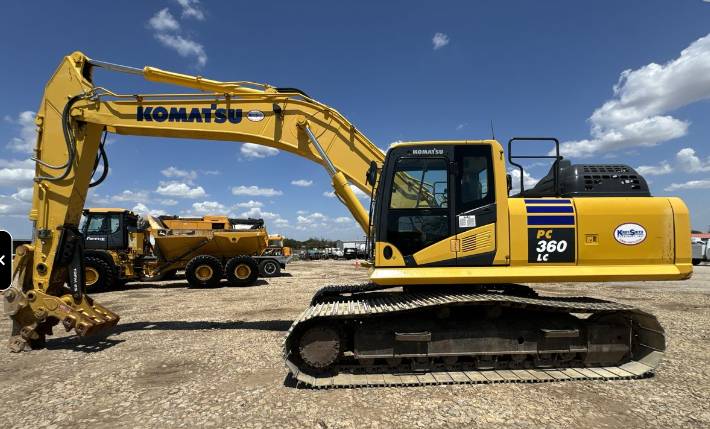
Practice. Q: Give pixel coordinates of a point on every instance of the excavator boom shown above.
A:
(73, 115)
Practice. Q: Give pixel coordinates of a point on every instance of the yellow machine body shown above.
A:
(220, 244)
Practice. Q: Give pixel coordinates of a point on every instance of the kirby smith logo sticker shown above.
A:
(630, 234)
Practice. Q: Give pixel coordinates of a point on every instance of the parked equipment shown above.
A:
(447, 243)
(701, 252)
(221, 238)
(115, 246)
(118, 248)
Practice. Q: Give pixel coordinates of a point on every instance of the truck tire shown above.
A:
(204, 271)
(270, 268)
(696, 261)
(242, 271)
(98, 275)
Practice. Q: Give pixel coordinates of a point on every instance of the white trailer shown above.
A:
(701, 251)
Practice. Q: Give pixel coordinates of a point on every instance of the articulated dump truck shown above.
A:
(216, 244)
(449, 244)
(120, 248)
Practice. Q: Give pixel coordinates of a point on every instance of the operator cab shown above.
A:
(108, 229)
(431, 193)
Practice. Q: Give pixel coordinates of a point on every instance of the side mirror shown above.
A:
(371, 175)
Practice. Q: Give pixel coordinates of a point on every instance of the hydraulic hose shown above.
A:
(102, 155)
(69, 139)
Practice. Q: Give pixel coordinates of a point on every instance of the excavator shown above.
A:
(449, 245)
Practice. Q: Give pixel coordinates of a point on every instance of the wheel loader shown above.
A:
(448, 244)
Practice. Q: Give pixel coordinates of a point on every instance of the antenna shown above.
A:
(493, 134)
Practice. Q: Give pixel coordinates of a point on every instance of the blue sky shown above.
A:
(617, 82)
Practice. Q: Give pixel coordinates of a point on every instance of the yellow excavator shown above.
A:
(448, 244)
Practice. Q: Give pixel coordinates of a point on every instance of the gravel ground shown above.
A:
(184, 357)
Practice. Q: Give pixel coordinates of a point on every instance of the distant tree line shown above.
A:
(311, 243)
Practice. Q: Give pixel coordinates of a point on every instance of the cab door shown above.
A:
(474, 205)
(417, 224)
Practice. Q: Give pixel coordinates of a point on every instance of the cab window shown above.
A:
(475, 186)
(103, 224)
(420, 183)
(419, 204)
(474, 181)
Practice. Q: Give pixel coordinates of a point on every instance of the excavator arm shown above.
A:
(73, 115)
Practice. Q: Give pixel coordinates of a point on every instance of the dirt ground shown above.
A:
(185, 357)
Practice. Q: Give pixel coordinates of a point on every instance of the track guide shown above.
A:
(647, 350)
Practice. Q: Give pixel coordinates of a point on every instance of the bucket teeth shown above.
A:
(85, 316)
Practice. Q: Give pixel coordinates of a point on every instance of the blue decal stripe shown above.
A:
(549, 209)
(541, 201)
(550, 220)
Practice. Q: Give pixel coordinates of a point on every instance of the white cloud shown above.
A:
(28, 135)
(180, 190)
(693, 184)
(642, 96)
(303, 219)
(184, 47)
(358, 193)
(132, 196)
(528, 180)
(24, 194)
(686, 162)
(209, 208)
(256, 213)
(187, 176)
(691, 163)
(329, 194)
(249, 205)
(167, 202)
(281, 223)
(143, 210)
(190, 9)
(390, 146)
(303, 212)
(128, 195)
(163, 21)
(316, 220)
(211, 172)
(255, 191)
(302, 182)
(16, 204)
(342, 219)
(16, 174)
(460, 127)
(440, 40)
(649, 170)
(254, 151)
(167, 31)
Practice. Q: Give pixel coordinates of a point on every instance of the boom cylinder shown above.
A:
(341, 186)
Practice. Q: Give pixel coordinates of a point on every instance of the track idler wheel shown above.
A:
(320, 346)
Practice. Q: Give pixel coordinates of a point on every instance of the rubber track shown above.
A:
(647, 329)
